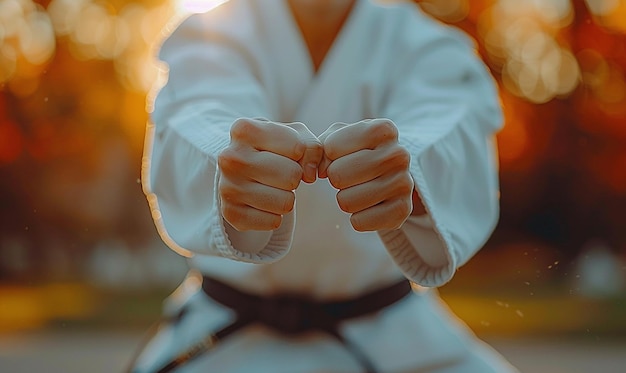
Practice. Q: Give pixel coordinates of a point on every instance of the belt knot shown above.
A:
(290, 315)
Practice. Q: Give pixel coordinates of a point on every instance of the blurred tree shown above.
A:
(563, 156)
(74, 76)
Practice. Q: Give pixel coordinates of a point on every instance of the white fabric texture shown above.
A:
(247, 59)
(438, 343)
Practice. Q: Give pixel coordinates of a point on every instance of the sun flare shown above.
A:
(198, 6)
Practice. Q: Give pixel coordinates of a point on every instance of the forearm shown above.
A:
(447, 120)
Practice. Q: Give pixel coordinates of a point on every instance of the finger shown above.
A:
(261, 166)
(258, 196)
(325, 161)
(269, 136)
(390, 214)
(386, 187)
(276, 171)
(367, 134)
(352, 169)
(312, 154)
(365, 165)
(245, 218)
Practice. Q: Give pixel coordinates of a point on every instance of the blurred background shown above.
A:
(83, 272)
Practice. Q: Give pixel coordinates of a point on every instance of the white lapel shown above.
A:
(291, 72)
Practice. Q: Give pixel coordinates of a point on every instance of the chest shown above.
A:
(324, 77)
(320, 28)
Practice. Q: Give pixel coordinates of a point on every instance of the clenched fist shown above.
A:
(260, 169)
(368, 166)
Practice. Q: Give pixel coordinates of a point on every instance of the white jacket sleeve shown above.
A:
(211, 83)
(445, 105)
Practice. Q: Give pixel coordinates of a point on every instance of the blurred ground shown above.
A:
(535, 314)
(109, 351)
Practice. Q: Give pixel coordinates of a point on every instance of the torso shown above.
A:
(331, 258)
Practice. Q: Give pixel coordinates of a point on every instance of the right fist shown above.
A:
(260, 170)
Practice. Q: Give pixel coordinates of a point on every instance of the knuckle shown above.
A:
(228, 193)
(402, 157)
(330, 151)
(404, 184)
(299, 146)
(315, 149)
(298, 151)
(383, 131)
(309, 151)
(230, 160)
(331, 148)
(242, 128)
(396, 157)
(223, 158)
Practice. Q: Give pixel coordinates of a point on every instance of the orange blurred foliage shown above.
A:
(67, 118)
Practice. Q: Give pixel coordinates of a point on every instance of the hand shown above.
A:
(371, 170)
(260, 169)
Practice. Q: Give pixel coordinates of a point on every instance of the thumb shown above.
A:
(325, 162)
(312, 154)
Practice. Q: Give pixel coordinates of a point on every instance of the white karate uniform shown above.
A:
(247, 59)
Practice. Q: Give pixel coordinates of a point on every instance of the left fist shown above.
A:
(368, 166)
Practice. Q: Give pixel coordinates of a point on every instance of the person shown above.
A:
(325, 165)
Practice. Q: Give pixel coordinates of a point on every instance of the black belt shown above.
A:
(291, 315)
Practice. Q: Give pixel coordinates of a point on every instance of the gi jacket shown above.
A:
(247, 59)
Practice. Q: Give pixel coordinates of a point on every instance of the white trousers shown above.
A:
(416, 335)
